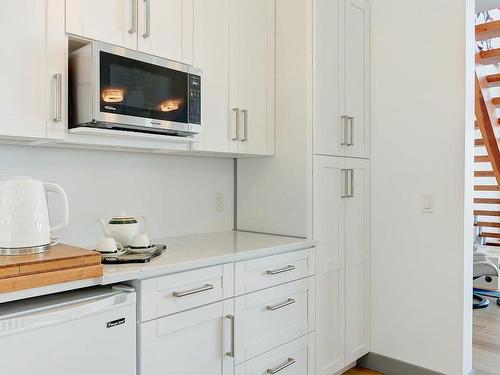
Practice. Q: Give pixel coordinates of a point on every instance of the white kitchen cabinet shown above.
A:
(33, 73)
(211, 26)
(341, 78)
(192, 342)
(341, 230)
(251, 76)
(110, 21)
(166, 29)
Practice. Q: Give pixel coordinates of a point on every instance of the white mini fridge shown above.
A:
(90, 331)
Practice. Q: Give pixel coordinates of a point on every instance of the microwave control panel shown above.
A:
(194, 99)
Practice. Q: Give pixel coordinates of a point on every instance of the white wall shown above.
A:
(175, 193)
(422, 131)
(274, 193)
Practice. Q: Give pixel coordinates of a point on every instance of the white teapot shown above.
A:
(122, 228)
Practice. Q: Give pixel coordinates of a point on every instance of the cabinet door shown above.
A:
(357, 245)
(328, 232)
(211, 25)
(356, 57)
(166, 29)
(110, 21)
(252, 73)
(23, 75)
(57, 71)
(192, 342)
(328, 80)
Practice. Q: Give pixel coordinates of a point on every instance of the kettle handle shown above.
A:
(54, 188)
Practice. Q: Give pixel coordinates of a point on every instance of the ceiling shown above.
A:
(482, 5)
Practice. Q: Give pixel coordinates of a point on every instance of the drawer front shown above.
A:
(294, 358)
(271, 317)
(266, 272)
(170, 294)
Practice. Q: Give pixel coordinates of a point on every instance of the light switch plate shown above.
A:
(428, 203)
(219, 202)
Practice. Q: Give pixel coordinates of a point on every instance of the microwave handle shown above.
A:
(147, 34)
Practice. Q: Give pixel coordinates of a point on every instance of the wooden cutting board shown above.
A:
(60, 264)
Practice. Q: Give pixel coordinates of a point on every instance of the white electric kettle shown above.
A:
(24, 216)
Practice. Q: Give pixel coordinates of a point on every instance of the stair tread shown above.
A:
(484, 174)
(490, 234)
(491, 56)
(487, 224)
(481, 159)
(486, 213)
(486, 188)
(488, 30)
(496, 101)
(478, 142)
(487, 200)
(493, 80)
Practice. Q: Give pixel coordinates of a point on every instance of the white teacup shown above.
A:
(108, 245)
(140, 241)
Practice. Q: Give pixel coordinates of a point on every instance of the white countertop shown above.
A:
(183, 253)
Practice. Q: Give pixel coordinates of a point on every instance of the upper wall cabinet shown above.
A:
(251, 76)
(166, 29)
(341, 78)
(162, 28)
(110, 21)
(33, 73)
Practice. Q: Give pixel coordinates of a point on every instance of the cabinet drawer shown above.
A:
(294, 358)
(269, 318)
(266, 272)
(169, 294)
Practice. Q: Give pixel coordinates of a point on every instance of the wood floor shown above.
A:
(486, 341)
(361, 371)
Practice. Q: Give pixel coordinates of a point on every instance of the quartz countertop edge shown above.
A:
(184, 253)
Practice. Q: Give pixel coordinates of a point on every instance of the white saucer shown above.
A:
(113, 254)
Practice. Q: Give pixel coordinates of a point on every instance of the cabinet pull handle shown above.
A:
(350, 121)
(245, 125)
(231, 353)
(288, 302)
(344, 130)
(194, 291)
(351, 190)
(275, 370)
(237, 130)
(147, 34)
(58, 98)
(345, 192)
(133, 23)
(280, 270)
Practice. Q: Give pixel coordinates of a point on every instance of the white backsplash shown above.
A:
(175, 193)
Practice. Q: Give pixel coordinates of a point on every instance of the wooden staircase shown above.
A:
(487, 125)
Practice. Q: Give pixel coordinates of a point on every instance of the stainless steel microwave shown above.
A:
(116, 88)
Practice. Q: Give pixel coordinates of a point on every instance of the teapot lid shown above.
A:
(123, 219)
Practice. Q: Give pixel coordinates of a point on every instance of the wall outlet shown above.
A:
(428, 203)
(219, 202)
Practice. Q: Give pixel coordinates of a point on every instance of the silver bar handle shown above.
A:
(344, 129)
(345, 192)
(231, 353)
(351, 190)
(58, 98)
(133, 22)
(237, 131)
(275, 370)
(147, 34)
(280, 270)
(245, 125)
(204, 288)
(350, 122)
(288, 302)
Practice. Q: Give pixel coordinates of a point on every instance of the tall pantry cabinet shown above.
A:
(341, 181)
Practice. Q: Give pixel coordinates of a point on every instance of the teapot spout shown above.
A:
(105, 227)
